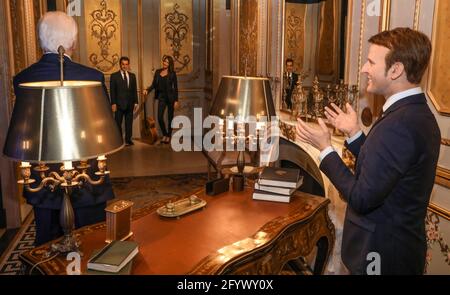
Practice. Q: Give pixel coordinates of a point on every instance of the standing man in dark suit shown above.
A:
(291, 79)
(387, 197)
(124, 99)
(89, 202)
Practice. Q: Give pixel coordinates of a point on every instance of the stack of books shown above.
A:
(277, 184)
(116, 257)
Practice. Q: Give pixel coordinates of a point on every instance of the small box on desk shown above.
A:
(118, 221)
(217, 186)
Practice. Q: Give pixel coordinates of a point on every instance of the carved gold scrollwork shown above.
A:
(104, 27)
(287, 131)
(176, 30)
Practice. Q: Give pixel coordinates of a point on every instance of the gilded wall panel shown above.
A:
(248, 37)
(103, 34)
(294, 40)
(438, 86)
(176, 39)
(327, 43)
(16, 11)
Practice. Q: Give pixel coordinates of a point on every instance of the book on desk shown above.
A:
(281, 177)
(114, 256)
(277, 184)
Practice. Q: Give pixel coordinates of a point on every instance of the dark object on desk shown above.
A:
(217, 186)
(126, 270)
(281, 177)
(114, 256)
(238, 182)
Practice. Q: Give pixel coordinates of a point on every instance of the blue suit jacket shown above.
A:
(47, 69)
(389, 193)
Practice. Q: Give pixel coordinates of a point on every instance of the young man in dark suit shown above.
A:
(89, 202)
(291, 79)
(387, 197)
(124, 99)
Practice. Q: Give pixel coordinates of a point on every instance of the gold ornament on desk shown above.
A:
(118, 221)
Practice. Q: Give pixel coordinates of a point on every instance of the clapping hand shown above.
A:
(346, 122)
(319, 138)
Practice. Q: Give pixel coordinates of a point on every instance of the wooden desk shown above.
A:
(233, 234)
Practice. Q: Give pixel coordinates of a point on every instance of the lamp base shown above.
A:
(68, 244)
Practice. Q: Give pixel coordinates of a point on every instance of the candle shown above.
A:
(101, 158)
(68, 165)
(25, 164)
(230, 122)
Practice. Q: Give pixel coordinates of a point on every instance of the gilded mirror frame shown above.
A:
(312, 64)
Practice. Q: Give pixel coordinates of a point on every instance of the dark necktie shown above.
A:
(125, 78)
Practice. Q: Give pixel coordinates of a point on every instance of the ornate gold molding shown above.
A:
(386, 16)
(29, 30)
(294, 39)
(416, 15)
(442, 177)
(445, 141)
(248, 36)
(176, 19)
(103, 25)
(439, 210)
(287, 131)
(361, 36)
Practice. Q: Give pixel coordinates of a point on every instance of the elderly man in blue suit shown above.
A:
(55, 29)
(388, 195)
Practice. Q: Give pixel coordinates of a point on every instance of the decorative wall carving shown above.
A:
(435, 237)
(248, 37)
(439, 75)
(177, 33)
(103, 25)
(294, 42)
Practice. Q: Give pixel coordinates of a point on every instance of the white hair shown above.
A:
(56, 28)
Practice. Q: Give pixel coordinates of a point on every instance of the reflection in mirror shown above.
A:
(314, 39)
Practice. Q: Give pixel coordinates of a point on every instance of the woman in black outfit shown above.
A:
(166, 92)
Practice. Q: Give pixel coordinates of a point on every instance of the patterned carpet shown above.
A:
(141, 190)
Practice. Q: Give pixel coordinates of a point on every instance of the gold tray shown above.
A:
(181, 207)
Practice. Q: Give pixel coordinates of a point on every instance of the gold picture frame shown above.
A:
(438, 88)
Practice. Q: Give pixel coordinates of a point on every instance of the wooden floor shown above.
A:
(142, 159)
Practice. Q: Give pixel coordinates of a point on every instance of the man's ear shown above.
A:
(396, 70)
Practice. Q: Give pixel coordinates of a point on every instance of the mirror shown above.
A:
(313, 57)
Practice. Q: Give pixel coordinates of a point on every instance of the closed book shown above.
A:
(114, 256)
(281, 177)
(276, 189)
(126, 270)
(265, 196)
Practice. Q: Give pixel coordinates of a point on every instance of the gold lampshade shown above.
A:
(243, 96)
(52, 123)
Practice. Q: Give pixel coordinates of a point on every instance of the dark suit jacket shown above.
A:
(389, 193)
(172, 87)
(125, 97)
(290, 88)
(47, 69)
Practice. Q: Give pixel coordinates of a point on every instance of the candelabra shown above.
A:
(250, 100)
(51, 123)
